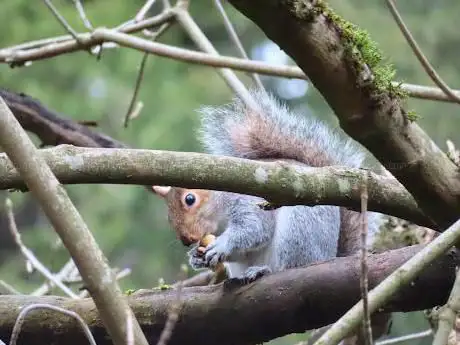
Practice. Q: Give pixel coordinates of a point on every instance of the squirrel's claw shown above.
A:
(197, 263)
(250, 275)
(196, 260)
(255, 272)
(215, 253)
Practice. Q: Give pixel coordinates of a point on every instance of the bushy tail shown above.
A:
(273, 132)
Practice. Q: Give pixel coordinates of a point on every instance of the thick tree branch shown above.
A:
(325, 48)
(287, 302)
(54, 129)
(277, 182)
(383, 292)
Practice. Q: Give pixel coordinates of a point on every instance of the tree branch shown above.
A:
(16, 55)
(51, 127)
(70, 227)
(184, 18)
(50, 47)
(282, 183)
(325, 48)
(429, 69)
(383, 292)
(286, 302)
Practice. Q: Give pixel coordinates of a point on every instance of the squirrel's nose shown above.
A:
(187, 241)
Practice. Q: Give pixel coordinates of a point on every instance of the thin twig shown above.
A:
(62, 20)
(200, 39)
(50, 47)
(69, 225)
(419, 54)
(191, 56)
(120, 275)
(78, 280)
(14, 56)
(390, 285)
(448, 313)
(134, 108)
(8, 288)
(367, 330)
(60, 276)
(29, 255)
(314, 335)
(39, 43)
(143, 11)
(140, 77)
(413, 336)
(22, 315)
(426, 92)
(81, 12)
(235, 39)
(174, 311)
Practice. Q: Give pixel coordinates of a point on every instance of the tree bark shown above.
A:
(292, 301)
(285, 184)
(326, 49)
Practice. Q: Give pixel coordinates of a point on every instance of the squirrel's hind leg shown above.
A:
(255, 272)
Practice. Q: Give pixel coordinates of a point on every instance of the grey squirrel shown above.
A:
(254, 242)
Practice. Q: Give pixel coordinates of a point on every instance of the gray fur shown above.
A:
(256, 242)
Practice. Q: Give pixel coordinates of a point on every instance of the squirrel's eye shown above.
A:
(190, 199)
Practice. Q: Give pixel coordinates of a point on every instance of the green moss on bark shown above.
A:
(360, 49)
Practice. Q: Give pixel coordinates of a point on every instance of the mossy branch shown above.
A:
(346, 67)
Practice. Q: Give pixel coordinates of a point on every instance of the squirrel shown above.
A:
(255, 242)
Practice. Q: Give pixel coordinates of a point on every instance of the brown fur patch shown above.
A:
(258, 138)
(350, 232)
(189, 226)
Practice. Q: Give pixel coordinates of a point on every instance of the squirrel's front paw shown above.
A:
(196, 260)
(216, 252)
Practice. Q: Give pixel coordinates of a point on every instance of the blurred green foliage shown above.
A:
(130, 224)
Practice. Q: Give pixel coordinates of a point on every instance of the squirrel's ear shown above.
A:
(161, 190)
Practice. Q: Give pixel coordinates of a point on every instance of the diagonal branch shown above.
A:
(61, 19)
(287, 302)
(69, 225)
(199, 38)
(51, 127)
(235, 39)
(343, 64)
(285, 184)
(419, 54)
